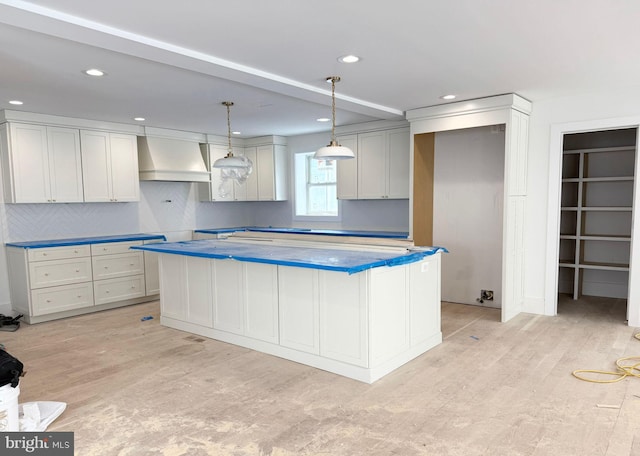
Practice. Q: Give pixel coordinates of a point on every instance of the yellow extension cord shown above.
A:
(623, 372)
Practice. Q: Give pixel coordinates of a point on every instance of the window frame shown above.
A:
(307, 186)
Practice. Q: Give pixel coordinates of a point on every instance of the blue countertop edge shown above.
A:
(327, 232)
(86, 240)
(174, 249)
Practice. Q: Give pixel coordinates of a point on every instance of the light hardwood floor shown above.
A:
(136, 388)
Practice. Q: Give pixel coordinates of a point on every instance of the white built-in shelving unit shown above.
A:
(596, 214)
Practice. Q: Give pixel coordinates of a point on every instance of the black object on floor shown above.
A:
(10, 323)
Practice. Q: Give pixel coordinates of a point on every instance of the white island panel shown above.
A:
(362, 325)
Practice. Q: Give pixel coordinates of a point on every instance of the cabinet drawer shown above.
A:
(108, 248)
(59, 272)
(120, 289)
(59, 253)
(58, 299)
(121, 265)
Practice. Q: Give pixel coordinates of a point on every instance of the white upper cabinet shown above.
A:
(267, 181)
(41, 164)
(271, 172)
(381, 167)
(372, 165)
(397, 145)
(348, 169)
(216, 189)
(110, 166)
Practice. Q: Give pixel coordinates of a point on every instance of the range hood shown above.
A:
(164, 159)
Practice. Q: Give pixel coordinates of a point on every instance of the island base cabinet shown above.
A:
(299, 309)
(260, 283)
(343, 317)
(186, 289)
(362, 325)
(246, 299)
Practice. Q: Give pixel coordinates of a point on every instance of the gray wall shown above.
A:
(468, 207)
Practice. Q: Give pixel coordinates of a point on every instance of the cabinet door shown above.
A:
(29, 164)
(343, 317)
(228, 311)
(173, 286)
(266, 174)
(239, 190)
(65, 165)
(299, 310)
(348, 169)
(151, 273)
(398, 163)
(261, 301)
(372, 165)
(96, 166)
(124, 167)
(250, 187)
(199, 281)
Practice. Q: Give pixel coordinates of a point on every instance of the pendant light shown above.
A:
(233, 167)
(333, 151)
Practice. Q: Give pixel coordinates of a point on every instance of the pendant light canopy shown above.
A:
(333, 151)
(238, 167)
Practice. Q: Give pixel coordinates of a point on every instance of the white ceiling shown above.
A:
(175, 62)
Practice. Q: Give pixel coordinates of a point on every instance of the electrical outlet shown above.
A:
(486, 295)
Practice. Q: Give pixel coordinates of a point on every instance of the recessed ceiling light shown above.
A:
(94, 72)
(236, 132)
(448, 97)
(323, 119)
(139, 119)
(16, 102)
(349, 58)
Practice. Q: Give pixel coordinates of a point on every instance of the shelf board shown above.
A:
(600, 149)
(608, 179)
(604, 238)
(607, 208)
(597, 237)
(594, 265)
(604, 266)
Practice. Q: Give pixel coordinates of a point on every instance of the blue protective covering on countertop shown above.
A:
(86, 240)
(270, 229)
(350, 261)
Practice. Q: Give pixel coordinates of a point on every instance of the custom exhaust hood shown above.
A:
(164, 159)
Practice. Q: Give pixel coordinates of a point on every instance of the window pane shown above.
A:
(321, 171)
(315, 186)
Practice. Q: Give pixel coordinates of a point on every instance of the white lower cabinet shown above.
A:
(260, 300)
(228, 311)
(299, 309)
(188, 298)
(56, 282)
(119, 289)
(59, 299)
(361, 325)
(343, 317)
(246, 299)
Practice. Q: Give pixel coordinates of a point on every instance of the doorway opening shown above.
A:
(459, 180)
(596, 213)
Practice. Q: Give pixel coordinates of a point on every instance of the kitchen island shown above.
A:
(354, 310)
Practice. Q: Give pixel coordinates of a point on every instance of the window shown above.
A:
(315, 187)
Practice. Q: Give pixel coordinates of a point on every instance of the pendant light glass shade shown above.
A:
(241, 165)
(333, 151)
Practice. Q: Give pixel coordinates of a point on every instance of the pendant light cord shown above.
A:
(333, 108)
(228, 104)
